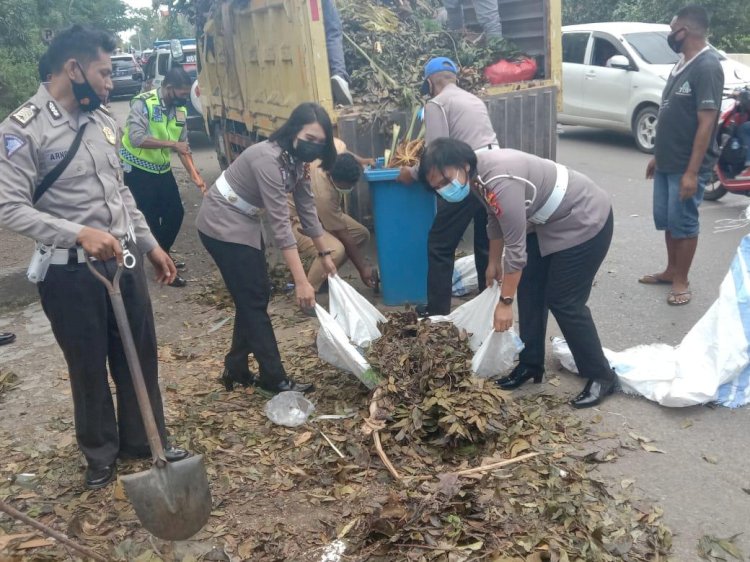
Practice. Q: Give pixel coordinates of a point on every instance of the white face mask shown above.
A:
(527, 202)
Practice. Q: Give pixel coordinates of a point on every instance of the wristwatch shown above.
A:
(325, 253)
(506, 300)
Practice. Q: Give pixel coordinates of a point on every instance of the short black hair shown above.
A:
(444, 152)
(80, 43)
(695, 15)
(304, 114)
(44, 68)
(177, 78)
(346, 169)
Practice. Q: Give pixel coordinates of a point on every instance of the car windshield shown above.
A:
(652, 47)
(123, 65)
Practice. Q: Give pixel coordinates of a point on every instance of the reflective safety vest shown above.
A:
(160, 127)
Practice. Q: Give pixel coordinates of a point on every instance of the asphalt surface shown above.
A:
(698, 497)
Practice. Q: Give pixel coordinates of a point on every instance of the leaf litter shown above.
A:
(285, 494)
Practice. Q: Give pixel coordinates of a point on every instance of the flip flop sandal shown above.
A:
(672, 298)
(653, 279)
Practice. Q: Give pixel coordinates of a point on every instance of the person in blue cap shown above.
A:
(455, 113)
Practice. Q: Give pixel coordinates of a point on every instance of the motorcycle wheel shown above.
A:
(714, 189)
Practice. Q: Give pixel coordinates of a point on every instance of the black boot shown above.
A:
(597, 392)
(287, 385)
(520, 375)
(228, 379)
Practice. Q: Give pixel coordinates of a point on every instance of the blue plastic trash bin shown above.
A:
(403, 216)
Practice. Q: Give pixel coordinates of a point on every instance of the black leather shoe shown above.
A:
(287, 385)
(99, 477)
(421, 310)
(596, 394)
(229, 379)
(519, 375)
(178, 264)
(6, 338)
(584, 392)
(178, 282)
(173, 453)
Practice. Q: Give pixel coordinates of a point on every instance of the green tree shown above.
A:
(730, 19)
(21, 23)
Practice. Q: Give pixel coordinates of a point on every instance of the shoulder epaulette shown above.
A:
(105, 110)
(25, 114)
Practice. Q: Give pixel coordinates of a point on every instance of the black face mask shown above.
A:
(88, 99)
(307, 151)
(177, 101)
(674, 43)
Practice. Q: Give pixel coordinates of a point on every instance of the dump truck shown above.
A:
(261, 58)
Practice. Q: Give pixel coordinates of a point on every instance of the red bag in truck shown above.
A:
(505, 71)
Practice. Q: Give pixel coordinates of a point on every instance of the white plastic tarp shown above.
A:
(711, 364)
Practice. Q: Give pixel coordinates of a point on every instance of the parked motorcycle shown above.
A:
(733, 152)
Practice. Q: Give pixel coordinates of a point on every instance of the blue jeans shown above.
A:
(334, 40)
(679, 217)
(744, 134)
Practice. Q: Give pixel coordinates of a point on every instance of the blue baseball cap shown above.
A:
(435, 65)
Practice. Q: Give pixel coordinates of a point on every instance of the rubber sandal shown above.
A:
(672, 298)
(653, 279)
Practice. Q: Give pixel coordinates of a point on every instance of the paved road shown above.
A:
(698, 497)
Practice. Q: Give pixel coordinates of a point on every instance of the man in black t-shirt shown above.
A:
(685, 150)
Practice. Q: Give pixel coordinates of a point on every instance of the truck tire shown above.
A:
(644, 128)
(220, 145)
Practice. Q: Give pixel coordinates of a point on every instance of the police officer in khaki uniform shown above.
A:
(87, 210)
(455, 113)
(343, 236)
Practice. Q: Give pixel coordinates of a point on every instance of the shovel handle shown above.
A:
(134, 363)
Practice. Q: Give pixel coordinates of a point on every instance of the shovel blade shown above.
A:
(174, 502)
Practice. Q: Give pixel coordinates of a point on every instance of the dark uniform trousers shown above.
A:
(561, 283)
(158, 198)
(80, 312)
(245, 274)
(451, 221)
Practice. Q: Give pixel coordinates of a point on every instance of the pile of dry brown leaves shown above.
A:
(287, 494)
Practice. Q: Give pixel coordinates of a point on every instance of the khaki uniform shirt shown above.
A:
(327, 198)
(460, 115)
(90, 192)
(580, 216)
(263, 175)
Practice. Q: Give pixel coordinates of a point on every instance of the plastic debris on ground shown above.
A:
(289, 409)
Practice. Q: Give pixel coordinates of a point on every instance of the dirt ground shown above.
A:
(262, 496)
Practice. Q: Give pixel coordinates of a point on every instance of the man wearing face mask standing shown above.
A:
(61, 185)
(455, 113)
(685, 150)
(155, 128)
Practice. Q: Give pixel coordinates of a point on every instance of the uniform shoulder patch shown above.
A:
(12, 144)
(54, 111)
(25, 114)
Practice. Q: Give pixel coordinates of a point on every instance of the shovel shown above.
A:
(172, 500)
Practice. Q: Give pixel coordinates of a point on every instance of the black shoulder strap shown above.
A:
(51, 178)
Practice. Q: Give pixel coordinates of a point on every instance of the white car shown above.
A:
(614, 74)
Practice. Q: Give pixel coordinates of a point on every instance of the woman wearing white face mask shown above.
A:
(559, 255)
(229, 226)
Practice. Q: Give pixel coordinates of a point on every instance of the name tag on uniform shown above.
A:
(179, 116)
(54, 156)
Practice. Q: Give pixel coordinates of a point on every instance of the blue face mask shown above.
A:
(455, 191)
